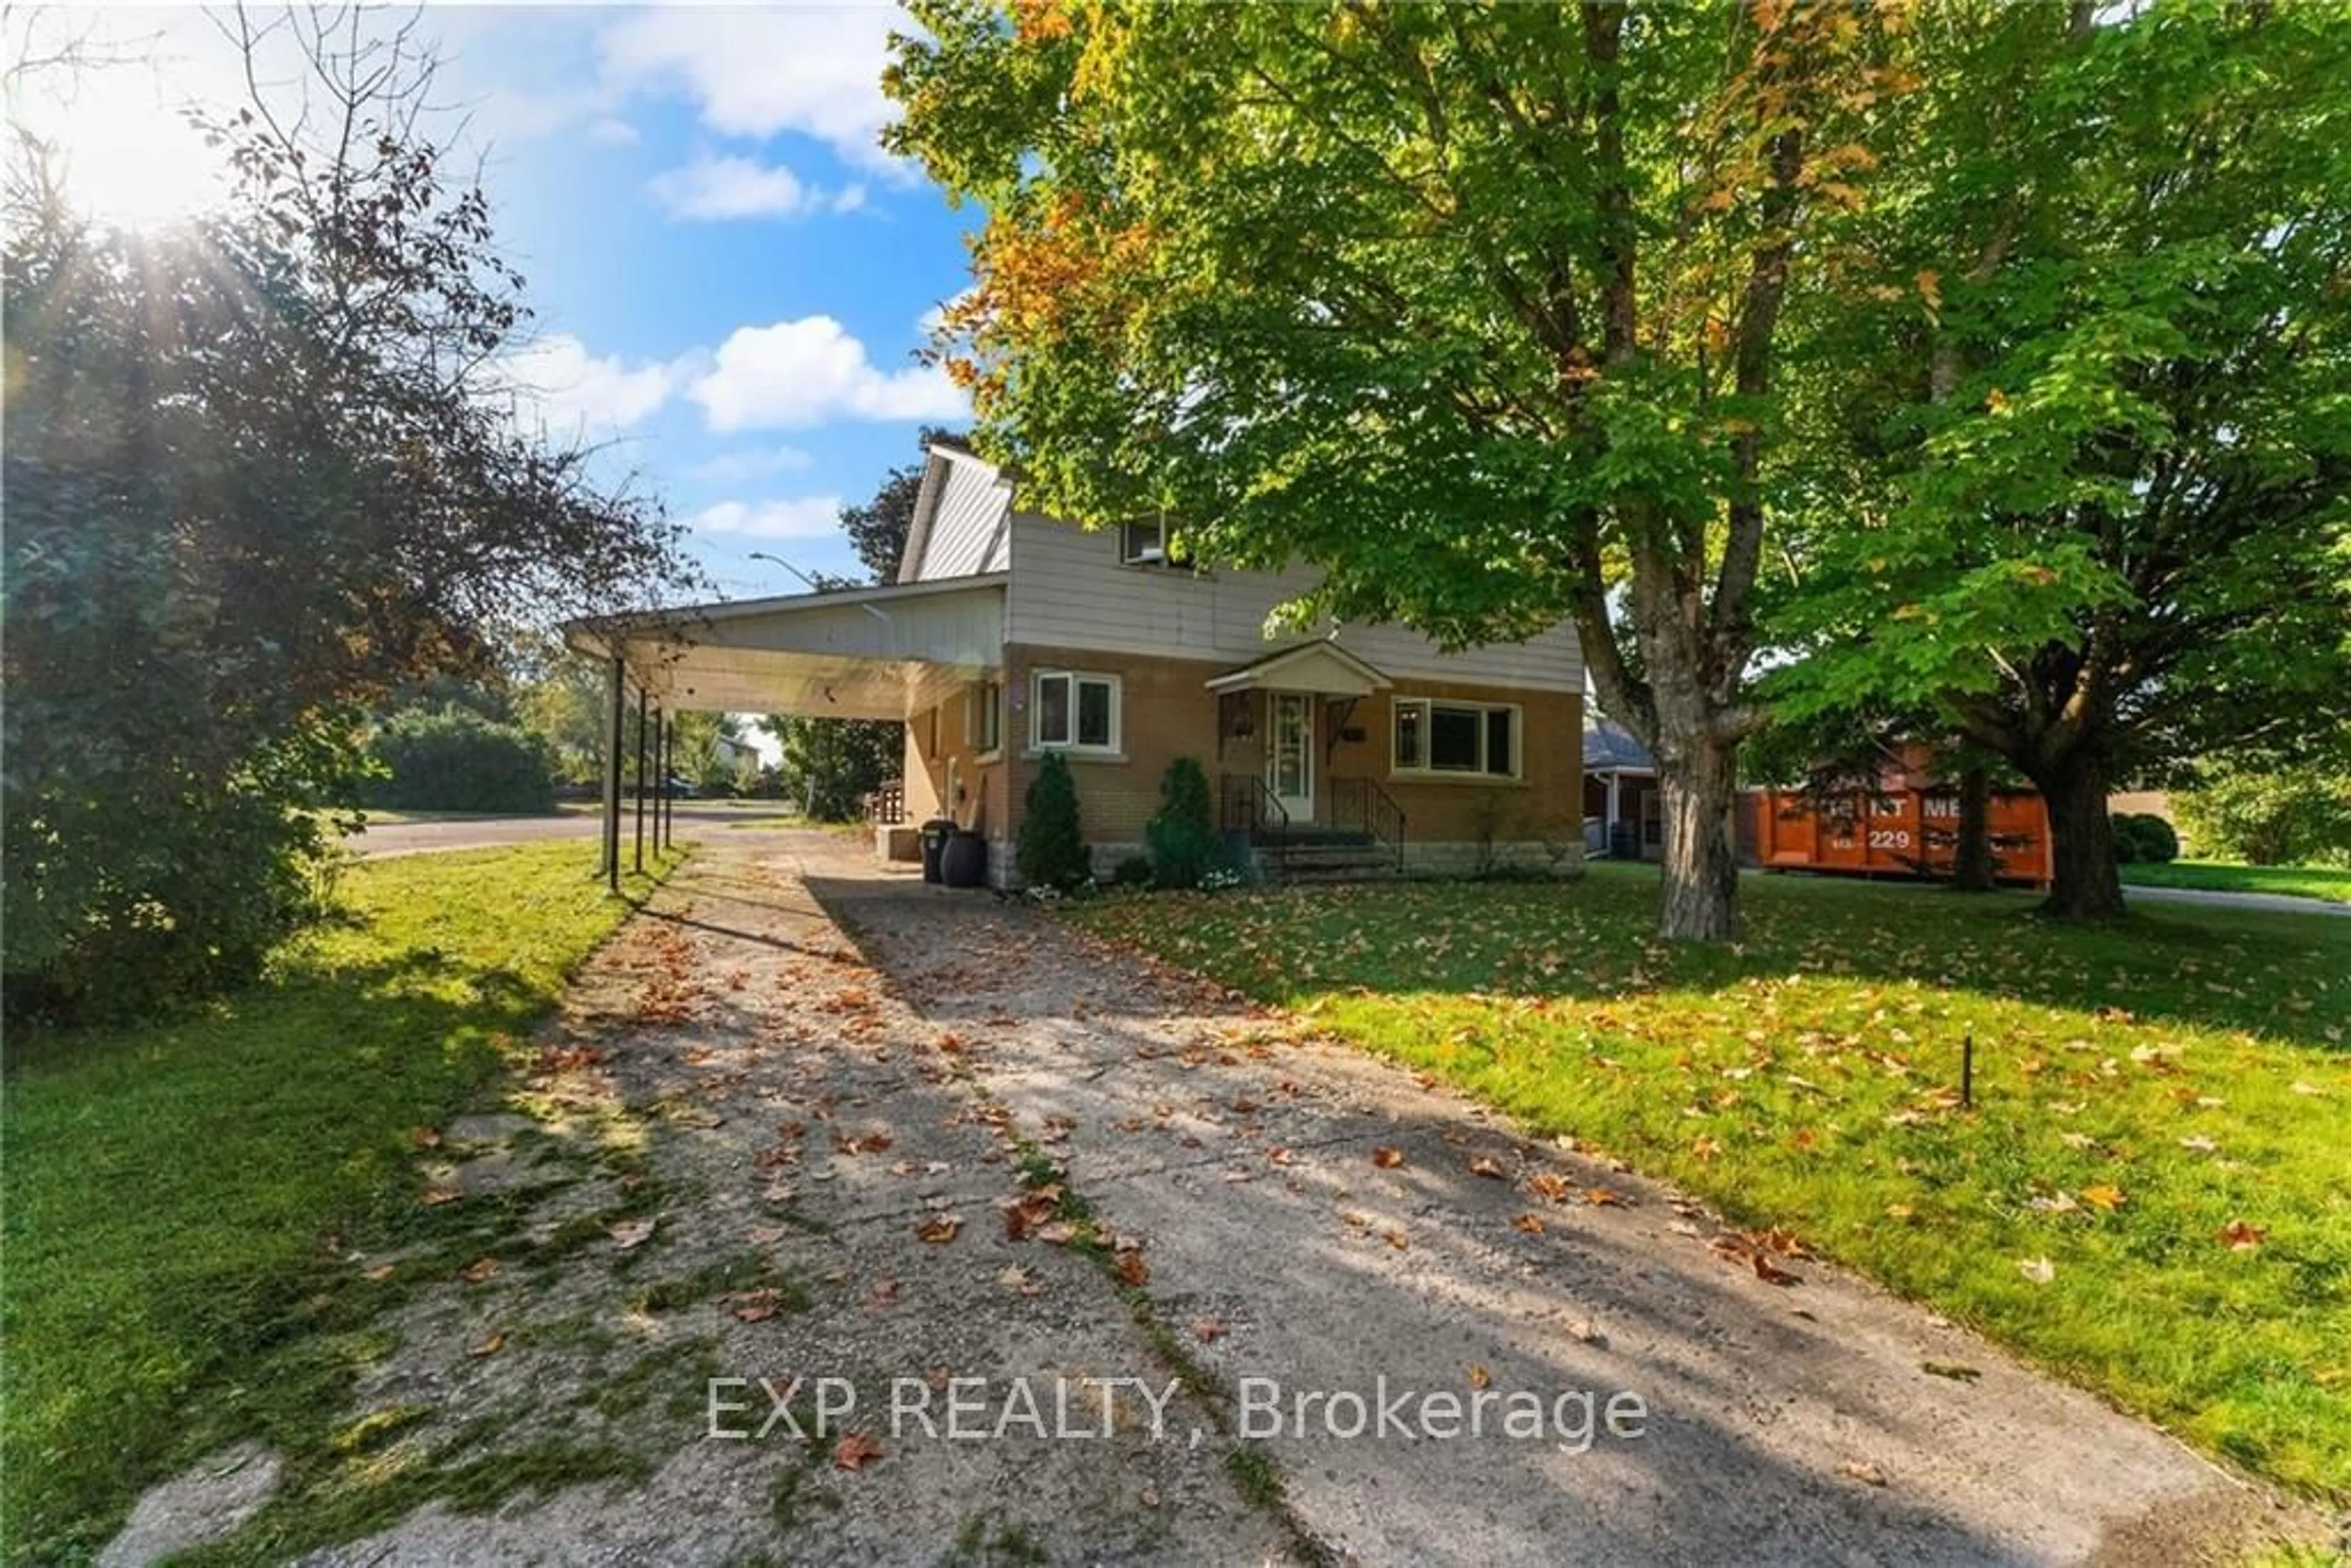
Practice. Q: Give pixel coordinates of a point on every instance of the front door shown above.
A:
(1290, 754)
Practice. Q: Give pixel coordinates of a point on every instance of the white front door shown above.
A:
(1290, 754)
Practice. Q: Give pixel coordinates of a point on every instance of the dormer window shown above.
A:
(1151, 544)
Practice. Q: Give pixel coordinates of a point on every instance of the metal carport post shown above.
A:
(619, 693)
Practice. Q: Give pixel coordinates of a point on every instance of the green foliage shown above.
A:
(1182, 834)
(831, 765)
(2286, 815)
(2142, 837)
(453, 759)
(253, 487)
(2082, 446)
(1050, 851)
(2222, 1103)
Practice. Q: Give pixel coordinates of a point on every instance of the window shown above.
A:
(983, 722)
(1457, 737)
(1075, 712)
(1149, 544)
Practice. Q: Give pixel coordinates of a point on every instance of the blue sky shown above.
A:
(730, 275)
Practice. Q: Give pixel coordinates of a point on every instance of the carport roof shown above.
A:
(858, 652)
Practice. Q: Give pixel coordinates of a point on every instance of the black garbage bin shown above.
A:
(935, 834)
(964, 862)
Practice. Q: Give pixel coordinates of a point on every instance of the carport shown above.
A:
(885, 652)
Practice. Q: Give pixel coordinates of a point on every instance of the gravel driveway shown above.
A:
(1093, 1263)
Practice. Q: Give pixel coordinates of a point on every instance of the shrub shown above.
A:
(1050, 851)
(1135, 871)
(2283, 817)
(2142, 837)
(1182, 834)
(453, 759)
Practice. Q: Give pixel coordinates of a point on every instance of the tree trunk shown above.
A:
(1972, 870)
(2087, 884)
(1697, 782)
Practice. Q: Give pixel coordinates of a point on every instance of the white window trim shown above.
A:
(974, 707)
(1073, 747)
(1423, 772)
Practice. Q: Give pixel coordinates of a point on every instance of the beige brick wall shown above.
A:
(1168, 712)
(945, 774)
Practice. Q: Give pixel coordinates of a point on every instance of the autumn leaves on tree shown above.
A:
(1501, 316)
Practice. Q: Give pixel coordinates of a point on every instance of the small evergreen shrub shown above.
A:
(1050, 851)
(2142, 837)
(1182, 834)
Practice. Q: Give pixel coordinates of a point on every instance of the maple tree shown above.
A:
(1478, 309)
(2082, 469)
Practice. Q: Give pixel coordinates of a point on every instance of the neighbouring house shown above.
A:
(1008, 634)
(1622, 818)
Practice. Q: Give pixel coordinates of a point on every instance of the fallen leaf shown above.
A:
(885, 1293)
(2108, 1198)
(1582, 1329)
(1479, 1377)
(1397, 1239)
(436, 1195)
(1600, 1197)
(2238, 1237)
(1549, 1185)
(1017, 1278)
(938, 1228)
(628, 1233)
(1863, 1471)
(479, 1270)
(1530, 1223)
(754, 1306)
(1133, 1271)
(1387, 1159)
(425, 1138)
(1900, 1211)
(2040, 1270)
(854, 1452)
(380, 1273)
(1486, 1166)
(1208, 1331)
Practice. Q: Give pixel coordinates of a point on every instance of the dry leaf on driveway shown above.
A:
(938, 1228)
(628, 1233)
(1486, 1166)
(479, 1270)
(1387, 1159)
(1864, 1471)
(854, 1452)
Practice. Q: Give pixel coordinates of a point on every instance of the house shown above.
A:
(1623, 818)
(1008, 634)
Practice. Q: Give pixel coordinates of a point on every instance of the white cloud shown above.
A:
(732, 467)
(805, 372)
(558, 386)
(755, 72)
(730, 187)
(804, 518)
(936, 316)
(612, 132)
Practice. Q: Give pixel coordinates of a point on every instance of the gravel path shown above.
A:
(804, 1120)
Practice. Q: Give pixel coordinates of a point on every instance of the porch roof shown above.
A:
(1321, 666)
(859, 652)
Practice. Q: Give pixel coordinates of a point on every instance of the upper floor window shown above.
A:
(1433, 737)
(1151, 544)
(1074, 712)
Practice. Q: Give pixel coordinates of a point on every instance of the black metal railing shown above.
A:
(887, 806)
(1247, 806)
(1362, 805)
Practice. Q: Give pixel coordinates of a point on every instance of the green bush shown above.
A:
(453, 759)
(1182, 834)
(1051, 852)
(2142, 837)
(2290, 816)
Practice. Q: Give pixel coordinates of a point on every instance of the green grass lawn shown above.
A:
(179, 1195)
(2222, 876)
(2162, 1112)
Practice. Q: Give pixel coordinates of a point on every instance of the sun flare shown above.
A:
(124, 153)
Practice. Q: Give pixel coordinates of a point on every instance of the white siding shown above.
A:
(966, 532)
(1068, 590)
